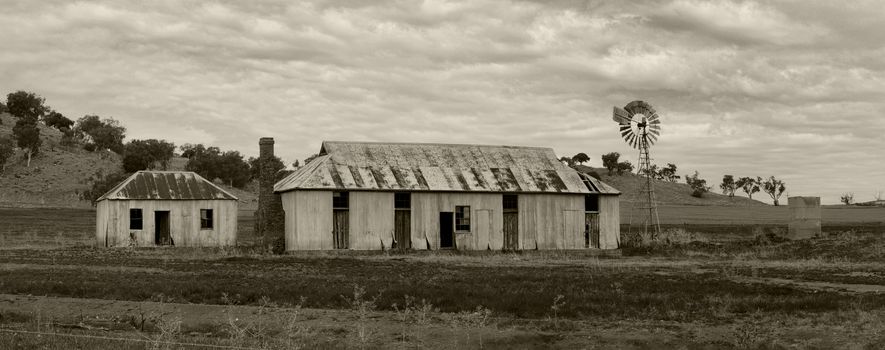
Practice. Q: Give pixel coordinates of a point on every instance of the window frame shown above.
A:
(587, 200)
(132, 219)
(208, 222)
(338, 197)
(399, 203)
(461, 218)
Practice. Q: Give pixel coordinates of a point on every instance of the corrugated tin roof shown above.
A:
(166, 185)
(437, 167)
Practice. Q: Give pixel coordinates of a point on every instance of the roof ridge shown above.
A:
(434, 144)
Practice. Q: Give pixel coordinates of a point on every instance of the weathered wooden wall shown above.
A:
(486, 219)
(112, 222)
(609, 222)
(549, 221)
(546, 221)
(308, 220)
(371, 220)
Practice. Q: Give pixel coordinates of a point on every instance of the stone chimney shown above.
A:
(269, 221)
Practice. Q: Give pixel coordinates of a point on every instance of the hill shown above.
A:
(60, 173)
(669, 193)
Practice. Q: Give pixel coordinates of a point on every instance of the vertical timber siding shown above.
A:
(184, 215)
(550, 221)
(485, 213)
(308, 220)
(609, 222)
(546, 221)
(371, 220)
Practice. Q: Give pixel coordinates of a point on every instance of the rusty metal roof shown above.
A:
(166, 185)
(437, 167)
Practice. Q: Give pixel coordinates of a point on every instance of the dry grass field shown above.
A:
(694, 292)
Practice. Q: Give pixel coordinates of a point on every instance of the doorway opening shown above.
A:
(446, 230)
(162, 231)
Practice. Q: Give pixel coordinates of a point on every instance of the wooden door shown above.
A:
(162, 232)
(446, 230)
(340, 229)
(591, 230)
(511, 230)
(402, 221)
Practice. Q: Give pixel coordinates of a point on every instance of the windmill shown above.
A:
(640, 127)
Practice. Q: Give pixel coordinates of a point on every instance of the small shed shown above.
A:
(373, 196)
(156, 208)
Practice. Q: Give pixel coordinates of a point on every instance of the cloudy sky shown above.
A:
(793, 89)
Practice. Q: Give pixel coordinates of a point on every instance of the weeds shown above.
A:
(363, 308)
(558, 303)
(474, 320)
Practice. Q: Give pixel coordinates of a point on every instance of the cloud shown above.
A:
(792, 89)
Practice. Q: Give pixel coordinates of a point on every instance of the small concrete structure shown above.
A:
(804, 217)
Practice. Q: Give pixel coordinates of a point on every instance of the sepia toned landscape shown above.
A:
(436, 174)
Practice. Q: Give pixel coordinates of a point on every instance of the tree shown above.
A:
(147, 155)
(212, 164)
(848, 198)
(56, 120)
(101, 133)
(3, 109)
(27, 136)
(877, 196)
(26, 105)
(625, 166)
(668, 173)
(7, 149)
(728, 185)
(101, 185)
(749, 185)
(653, 172)
(610, 161)
(581, 158)
(296, 165)
(276, 164)
(774, 187)
(697, 184)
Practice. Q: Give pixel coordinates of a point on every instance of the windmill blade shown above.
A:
(654, 118)
(625, 130)
(621, 116)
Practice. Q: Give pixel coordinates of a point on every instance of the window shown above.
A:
(462, 219)
(340, 200)
(511, 202)
(135, 219)
(206, 219)
(591, 202)
(402, 200)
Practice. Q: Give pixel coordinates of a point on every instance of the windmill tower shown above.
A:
(640, 127)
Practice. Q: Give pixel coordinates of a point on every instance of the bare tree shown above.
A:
(878, 195)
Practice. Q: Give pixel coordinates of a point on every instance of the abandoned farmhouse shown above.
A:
(378, 196)
(166, 208)
(372, 196)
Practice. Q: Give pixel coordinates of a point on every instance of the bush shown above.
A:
(101, 185)
(697, 184)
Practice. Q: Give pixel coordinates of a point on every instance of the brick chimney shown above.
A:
(270, 208)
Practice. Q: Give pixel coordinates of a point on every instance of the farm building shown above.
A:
(368, 196)
(154, 208)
